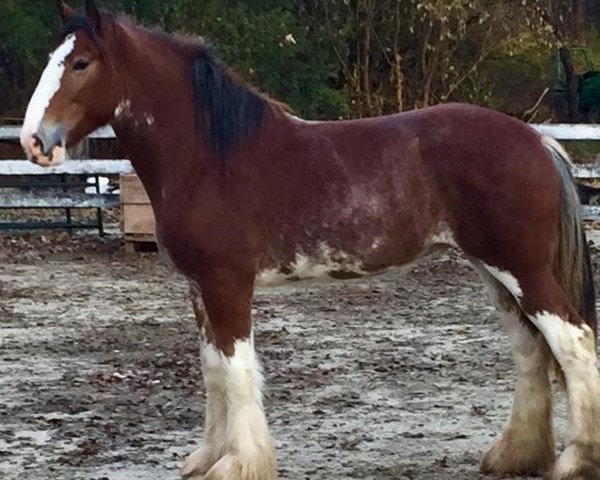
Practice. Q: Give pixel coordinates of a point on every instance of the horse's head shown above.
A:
(78, 91)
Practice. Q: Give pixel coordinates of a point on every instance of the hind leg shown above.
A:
(573, 344)
(527, 445)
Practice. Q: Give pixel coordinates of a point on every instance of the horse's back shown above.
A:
(479, 175)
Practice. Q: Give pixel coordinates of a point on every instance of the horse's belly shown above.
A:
(324, 263)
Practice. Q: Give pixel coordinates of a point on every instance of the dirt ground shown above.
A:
(395, 377)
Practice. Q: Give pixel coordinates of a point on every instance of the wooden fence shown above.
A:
(63, 187)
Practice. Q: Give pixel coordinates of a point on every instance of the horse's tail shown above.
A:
(573, 266)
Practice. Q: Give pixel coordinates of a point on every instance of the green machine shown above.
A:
(585, 91)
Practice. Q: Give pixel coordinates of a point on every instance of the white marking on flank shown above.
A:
(47, 87)
(443, 236)
(507, 279)
(325, 261)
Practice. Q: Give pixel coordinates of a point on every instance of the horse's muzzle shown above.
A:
(47, 146)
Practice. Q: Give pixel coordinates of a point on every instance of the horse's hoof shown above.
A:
(197, 463)
(509, 457)
(232, 467)
(578, 462)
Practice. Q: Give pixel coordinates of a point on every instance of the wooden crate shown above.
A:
(137, 216)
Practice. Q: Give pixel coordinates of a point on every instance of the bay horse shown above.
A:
(245, 193)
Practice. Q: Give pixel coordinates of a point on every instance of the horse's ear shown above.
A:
(66, 13)
(93, 15)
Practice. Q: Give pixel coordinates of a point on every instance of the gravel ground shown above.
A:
(394, 377)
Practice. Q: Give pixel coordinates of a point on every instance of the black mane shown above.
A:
(227, 110)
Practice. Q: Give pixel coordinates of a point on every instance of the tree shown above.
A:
(402, 54)
(26, 30)
(269, 42)
(338, 58)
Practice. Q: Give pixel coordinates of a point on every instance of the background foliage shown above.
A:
(339, 58)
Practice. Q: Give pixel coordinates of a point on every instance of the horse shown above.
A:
(245, 193)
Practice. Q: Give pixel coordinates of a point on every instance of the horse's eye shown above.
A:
(80, 65)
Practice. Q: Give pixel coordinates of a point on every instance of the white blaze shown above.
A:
(47, 87)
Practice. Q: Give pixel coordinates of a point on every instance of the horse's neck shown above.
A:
(155, 118)
(156, 122)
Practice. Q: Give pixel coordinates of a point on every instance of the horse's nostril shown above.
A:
(37, 142)
(46, 147)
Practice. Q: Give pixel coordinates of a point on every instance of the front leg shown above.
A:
(237, 444)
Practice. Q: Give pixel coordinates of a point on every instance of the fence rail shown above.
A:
(60, 200)
(569, 131)
(71, 167)
(12, 132)
(55, 193)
